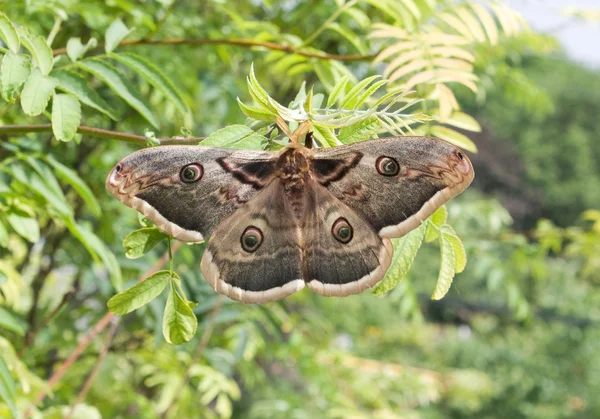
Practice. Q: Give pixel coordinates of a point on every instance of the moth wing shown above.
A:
(340, 266)
(149, 180)
(429, 173)
(272, 271)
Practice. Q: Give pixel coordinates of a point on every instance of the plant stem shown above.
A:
(99, 133)
(244, 43)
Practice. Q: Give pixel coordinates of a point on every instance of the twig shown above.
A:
(91, 334)
(110, 334)
(245, 43)
(199, 350)
(97, 132)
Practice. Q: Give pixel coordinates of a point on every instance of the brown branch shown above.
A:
(244, 43)
(110, 334)
(210, 324)
(92, 333)
(97, 132)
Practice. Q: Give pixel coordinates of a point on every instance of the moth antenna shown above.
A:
(309, 140)
(300, 132)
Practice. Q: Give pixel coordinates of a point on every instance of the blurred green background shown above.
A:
(516, 336)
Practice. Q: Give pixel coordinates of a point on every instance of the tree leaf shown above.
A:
(98, 250)
(75, 49)
(325, 136)
(66, 116)
(179, 322)
(460, 256)
(7, 388)
(9, 34)
(15, 70)
(3, 235)
(71, 177)
(24, 225)
(337, 91)
(40, 51)
(140, 242)
(36, 93)
(71, 82)
(454, 137)
(256, 113)
(354, 92)
(154, 76)
(405, 251)
(140, 294)
(434, 222)
(236, 136)
(116, 32)
(447, 268)
(43, 182)
(118, 84)
(12, 323)
(464, 121)
(361, 131)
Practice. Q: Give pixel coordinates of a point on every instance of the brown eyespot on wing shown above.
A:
(394, 183)
(187, 190)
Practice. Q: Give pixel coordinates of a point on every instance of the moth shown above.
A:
(279, 221)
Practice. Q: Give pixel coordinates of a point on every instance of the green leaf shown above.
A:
(405, 251)
(325, 136)
(179, 322)
(9, 34)
(24, 225)
(152, 74)
(98, 250)
(366, 94)
(15, 70)
(118, 84)
(355, 91)
(116, 32)
(140, 242)
(43, 182)
(464, 121)
(256, 113)
(66, 116)
(36, 93)
(140, 294)
(7, 388)
(447, 268)
(460, 256)
(71, 82)
(260, 96)
(435, 221)
(40, 51)
(362, 130)
(454, 137)
(3, 235)
(12, 323)
(236, 136)
(75, 49)
(71, 177)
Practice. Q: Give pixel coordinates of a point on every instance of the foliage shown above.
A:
(515, 336)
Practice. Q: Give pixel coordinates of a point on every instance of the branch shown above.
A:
(97, 132)
(101, 355)
(85, 341)
(244, 43)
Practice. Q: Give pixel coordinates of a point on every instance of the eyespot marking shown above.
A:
(191, 173)
(387, 166)
(342, 230)
(251, 239)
